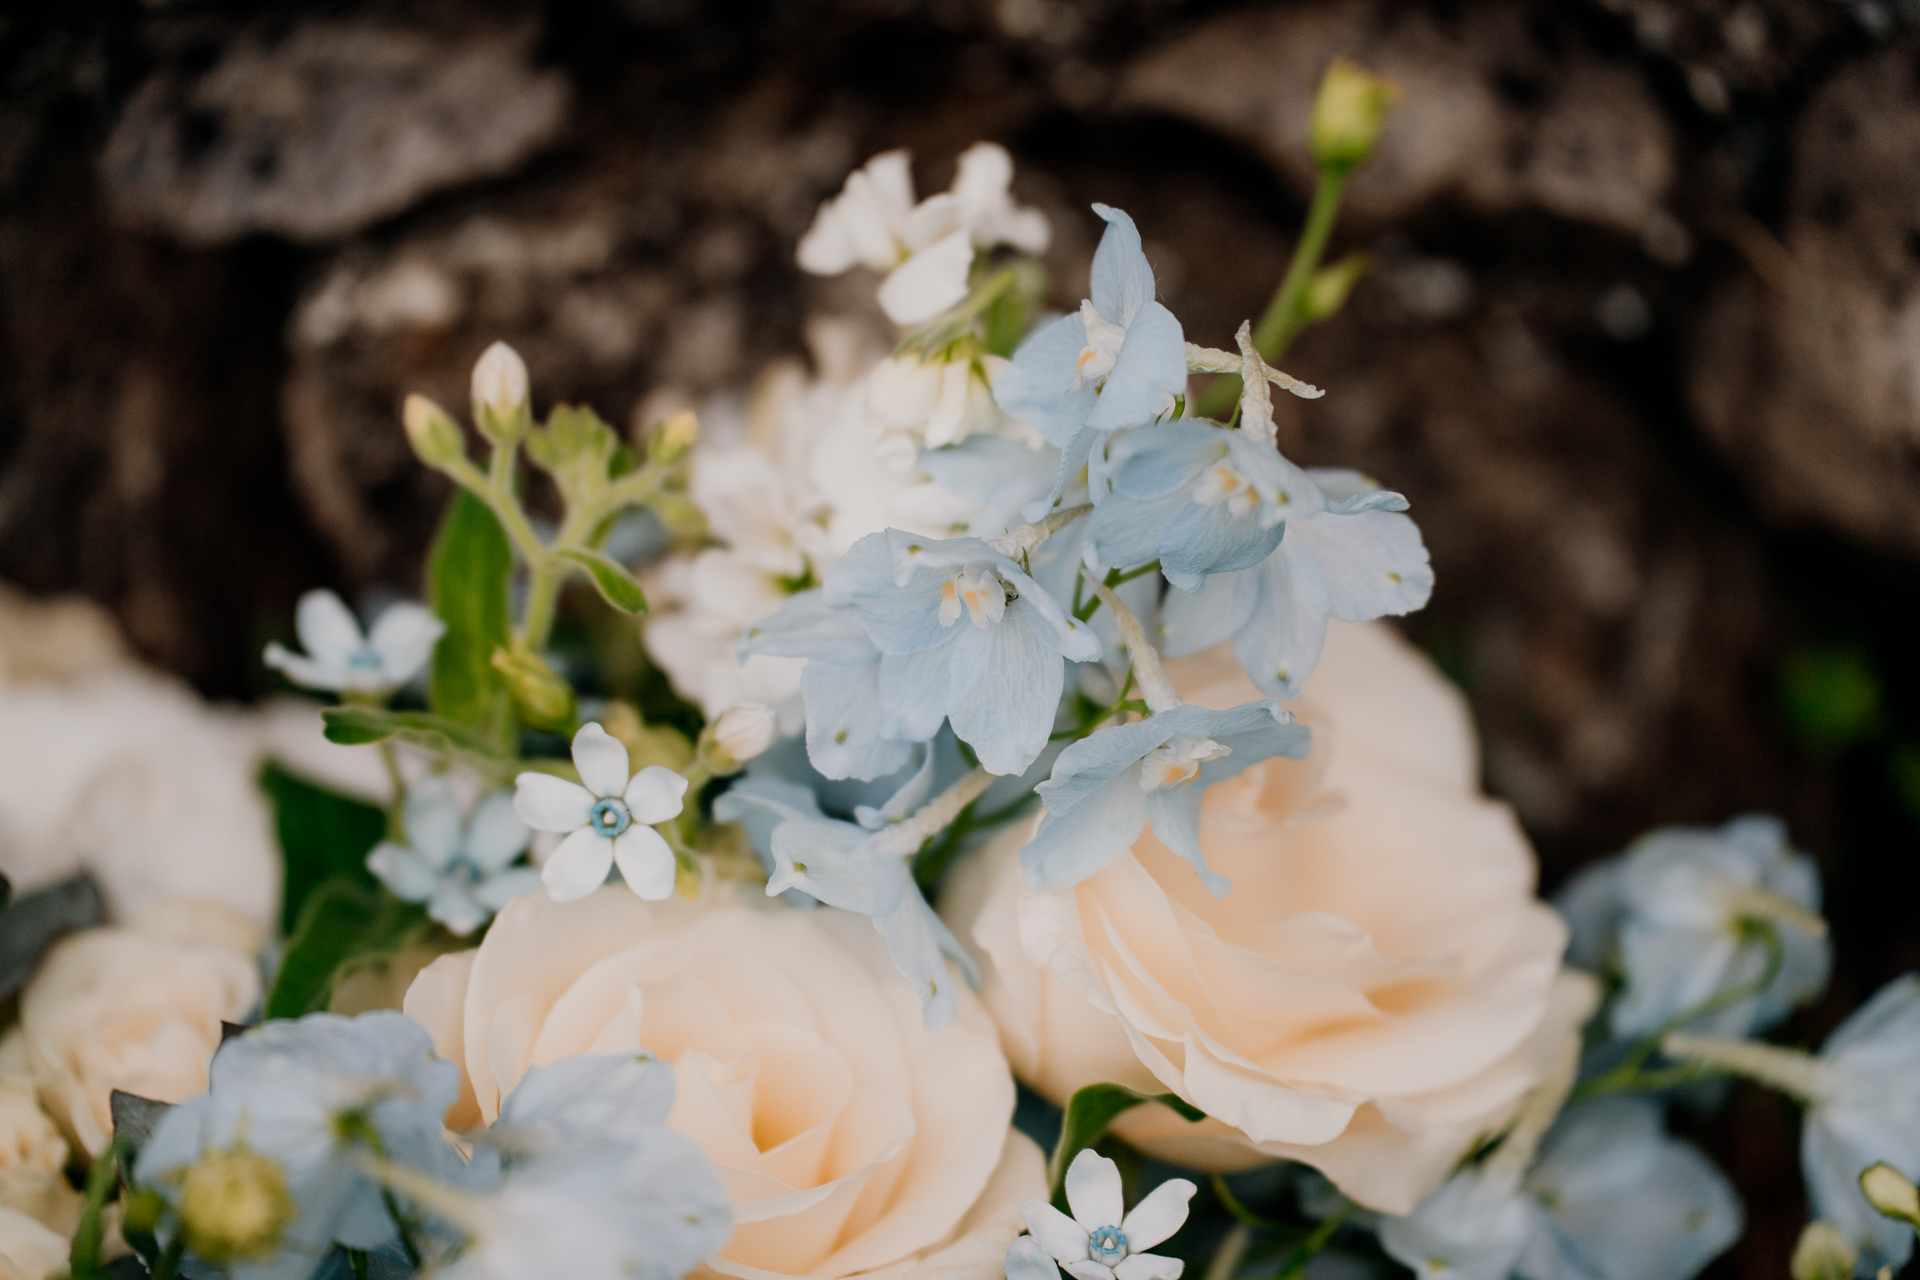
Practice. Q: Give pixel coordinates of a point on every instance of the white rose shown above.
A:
(137, 1008)
(33, 1155)
(28, 1250)
(1379, 990)
(853, 1142)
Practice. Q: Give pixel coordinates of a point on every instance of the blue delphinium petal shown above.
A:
(1121, 280)
(1037, 384)
(898, 617)
(807, 627)
(914, 693)
(1006, 684)
(846, 721)
(1150, 370)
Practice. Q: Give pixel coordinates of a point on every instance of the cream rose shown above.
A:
(137, 1008)
(33, 1155)
(1380, 988)
(853, 1142)
(28, 1250)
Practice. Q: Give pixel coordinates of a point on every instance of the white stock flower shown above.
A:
(457, 866)
(927, 404)
(341, 657)
(1100, 1241)
(607, 817)
(926, 248)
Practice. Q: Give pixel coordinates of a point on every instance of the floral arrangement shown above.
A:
(1033, 765)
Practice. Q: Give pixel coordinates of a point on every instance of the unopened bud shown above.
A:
(742, 732)
(1891, 1192)
(674, 439)
(500, 393)
(543, 699)
(435, 437)
(144, 1209)
(1822, 1254)
(234, 1206)
(1327, 291)
(1347, 115)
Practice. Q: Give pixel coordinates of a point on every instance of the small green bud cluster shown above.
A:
(1347, 115)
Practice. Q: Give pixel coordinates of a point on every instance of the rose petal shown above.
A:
(1093, 1191)
(578, 866)
(601, 759)
(655, 794)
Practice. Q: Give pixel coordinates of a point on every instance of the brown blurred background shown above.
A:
(1642, 341)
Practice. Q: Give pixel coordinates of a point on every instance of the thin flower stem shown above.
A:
(1154, 685)
(1281, 320)
(357, 1263)
(1793, 1072)
(1018, 542)
(1226, 1259)
(396, 808)
(908, 835)
(167, 1265)
(1313, 1244)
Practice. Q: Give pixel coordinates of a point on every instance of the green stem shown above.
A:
(1281, 321)
(168, 1263)
(1313, 1244)
(357, 1261)
(396, 808)
(84, 1258)
(1226, 1259)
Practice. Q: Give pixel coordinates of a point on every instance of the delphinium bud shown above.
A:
(1347, 115)
(234, 1205)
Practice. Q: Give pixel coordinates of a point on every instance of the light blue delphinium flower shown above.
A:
(1681, 913)
(1118, 362)
(314, 1096)
(341, 658)
(1002, 479)
(1610, 1197)
(1349, 553)
(457, 867)
(1862, 1099)
(599, 1096)
(1199, 498)
(1107, 787)
(966, 637)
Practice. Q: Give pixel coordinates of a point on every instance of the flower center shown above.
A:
(1107, 1244)
(979, 592)
(1102, 349)
(464, 870)
(365, 658)
(609, 817)
(1178, 762)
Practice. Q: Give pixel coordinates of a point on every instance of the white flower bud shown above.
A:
(500, 392)
(435, 437)
(675, 438)
(1889, 1191)
(742, 732)
(1822, 1254)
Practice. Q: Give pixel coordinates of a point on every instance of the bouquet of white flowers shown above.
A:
(1034, 772)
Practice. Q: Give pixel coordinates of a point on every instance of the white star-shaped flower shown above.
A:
(457, 867)
(1097, 1242)
(609, 819)
(341, 657)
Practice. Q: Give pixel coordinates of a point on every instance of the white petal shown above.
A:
(1089, 1270)
(1026, 1260)
(497, 890)
(327, 628)
(302, 670)
(547, 803)
(655, 794)
(404, 637)
(453, 907)
(646, 863)
(495, 833)
(929, 282)
(1159, 1215)
(1093, 1191)
(433, 824)
(601, 759)
(402, 870)
(1058, 1234)
(1149, 1266)
(578, 866)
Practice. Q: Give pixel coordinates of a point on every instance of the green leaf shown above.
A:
(614, 582)
(322, 835)
(467, 574)
(1089, 1112)
(354, 726)
(342, 921)
(33, 924)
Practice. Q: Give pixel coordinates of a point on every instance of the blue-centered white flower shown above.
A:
(342, 658)
(965, 636)
(1349, 553)
(1100, 1242)
(1682, 914)
(458, 867)
(1199, 498)
(1106, 787)
(1119, 361)
(608, 819)
(316, 1096)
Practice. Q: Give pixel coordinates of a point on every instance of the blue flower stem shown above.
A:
(1631, 1073)
(1283, 318)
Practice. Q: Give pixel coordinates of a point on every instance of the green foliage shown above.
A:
(467, 573)
(614, 583)
(353, 726)
(322, 835)
(342, 921)
(1089, 1113)
(1831, 697)
(576, 448)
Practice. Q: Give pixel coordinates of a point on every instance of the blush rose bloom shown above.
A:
(853, 1142)
(138, 1008)
(1378, 991)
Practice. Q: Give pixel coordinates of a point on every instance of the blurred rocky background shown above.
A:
(1641, 341)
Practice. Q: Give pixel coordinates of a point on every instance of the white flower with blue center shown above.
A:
(1107, 787)
(458, 867)
(313, 1096)
(1099, 1242)
(1120, 361)
(341, 658)
(1679, 915)
(1349, 553)
(607, 817)
(964, 636)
